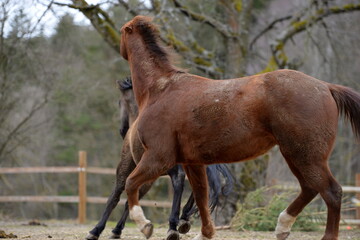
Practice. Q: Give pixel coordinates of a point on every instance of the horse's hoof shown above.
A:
(184, 226)
(147, 230)
(114, 236)
(200, 237)
(172, 235)
(282, 236)
(91, 237)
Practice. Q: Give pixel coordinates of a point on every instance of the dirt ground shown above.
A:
(69, 230)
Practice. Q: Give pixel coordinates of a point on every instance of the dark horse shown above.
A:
(191, 120)
(128, 114)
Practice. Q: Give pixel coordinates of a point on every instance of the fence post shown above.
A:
(357, 184)
(82, 187)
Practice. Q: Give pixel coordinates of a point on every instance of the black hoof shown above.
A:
(91, 237)
(115, 236)
(184, 226)
(147, 230)
(173, 235)
(282, 236)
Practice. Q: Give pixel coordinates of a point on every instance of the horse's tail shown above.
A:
(229, 179)
(348, 104)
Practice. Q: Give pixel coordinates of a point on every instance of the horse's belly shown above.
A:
(226, 148)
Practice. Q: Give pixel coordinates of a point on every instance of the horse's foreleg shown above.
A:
(116, 232)
(148, 170)
(177, 176)
(198, 180)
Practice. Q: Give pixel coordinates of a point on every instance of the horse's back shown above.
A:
(298, 100)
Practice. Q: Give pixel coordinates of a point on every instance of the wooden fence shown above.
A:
(82, 199)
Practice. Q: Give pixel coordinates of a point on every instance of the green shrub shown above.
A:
(261, 209)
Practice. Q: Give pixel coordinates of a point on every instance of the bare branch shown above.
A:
(100, 21)
(128, 8)
(268, 28)
(16, 129)
(41, 17)
(301, 24)
(221, 28)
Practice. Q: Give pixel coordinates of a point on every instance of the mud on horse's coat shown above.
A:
(195, 121)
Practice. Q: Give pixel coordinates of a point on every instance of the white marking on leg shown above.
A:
(285, 222)
(200, 237)
(137, 214)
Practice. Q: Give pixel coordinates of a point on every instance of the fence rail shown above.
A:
(82, 199)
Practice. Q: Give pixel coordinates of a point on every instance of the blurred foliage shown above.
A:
(261, 208)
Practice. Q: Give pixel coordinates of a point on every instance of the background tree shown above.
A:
(63, 84)
(227, 39)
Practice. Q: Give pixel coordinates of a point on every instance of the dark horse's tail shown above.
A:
(348, 103)
(216, 188)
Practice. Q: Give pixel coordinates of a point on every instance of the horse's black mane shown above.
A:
(151, 36)
(125, 84)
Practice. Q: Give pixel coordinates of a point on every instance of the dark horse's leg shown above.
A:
(177, 176)
(198, 180)
(184, 223)
(125, 167)
(116, 232)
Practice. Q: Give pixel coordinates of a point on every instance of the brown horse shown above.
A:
(190, 120)
(128, 114)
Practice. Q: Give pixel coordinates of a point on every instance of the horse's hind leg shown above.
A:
(332, 197)
(116, 232)
(288, 216)
(315, 177)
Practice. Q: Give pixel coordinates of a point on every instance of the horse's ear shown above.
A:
(128, 29)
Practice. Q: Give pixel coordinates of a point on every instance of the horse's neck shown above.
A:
(146, 72)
